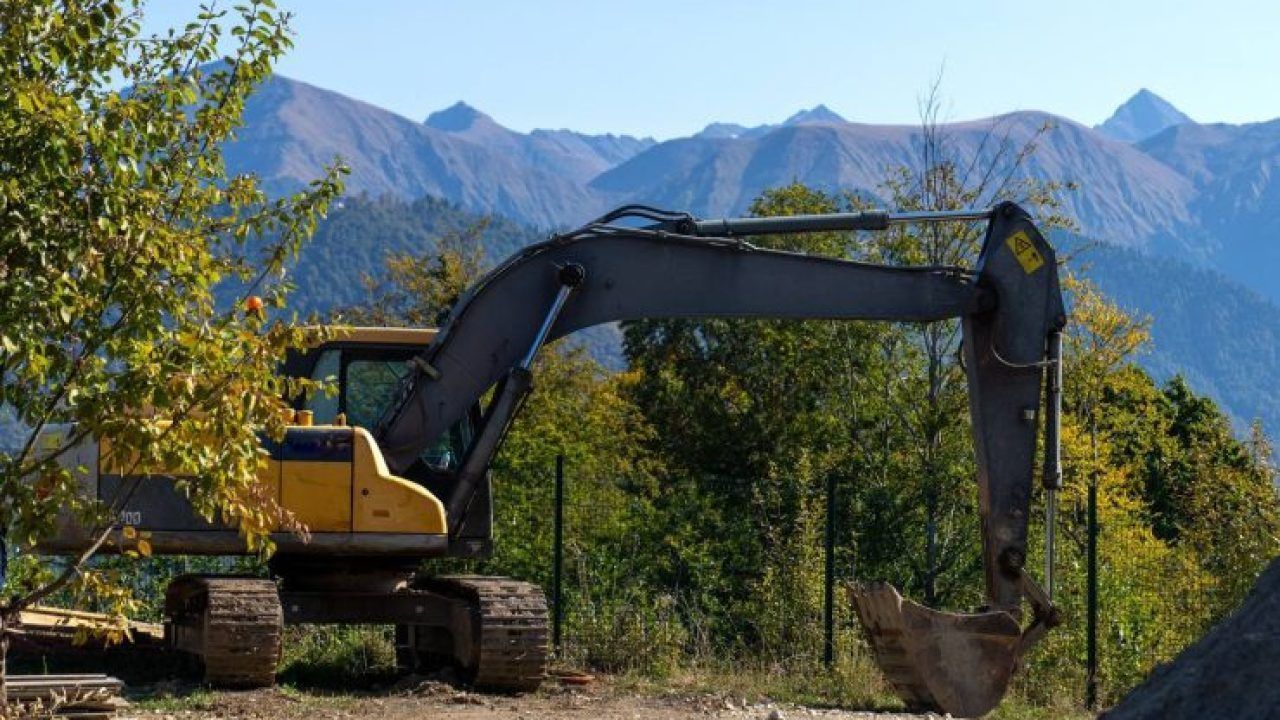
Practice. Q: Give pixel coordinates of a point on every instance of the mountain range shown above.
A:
(1148, 178)
(1149, 183)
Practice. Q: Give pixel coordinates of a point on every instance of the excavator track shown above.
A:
(232, 625)
(503, 644)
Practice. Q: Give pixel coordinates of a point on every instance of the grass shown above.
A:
(195, 699)
(855, 686)
(1015, 708)
(344, 656)
(326, 666)
(848, 686)
(340, 667)
(201, 699)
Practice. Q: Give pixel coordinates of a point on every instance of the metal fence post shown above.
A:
(828, 602)
(1091, 625)
(557, 589)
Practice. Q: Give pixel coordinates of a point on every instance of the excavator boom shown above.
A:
(640, 274)
(676, 266)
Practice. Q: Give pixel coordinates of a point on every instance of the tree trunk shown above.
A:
(4, 654)
(932, 478)
(931, 543)
(4, 614)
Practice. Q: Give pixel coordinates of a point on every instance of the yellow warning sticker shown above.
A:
(1028, 257)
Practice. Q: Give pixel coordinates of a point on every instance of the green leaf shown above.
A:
(107, 272)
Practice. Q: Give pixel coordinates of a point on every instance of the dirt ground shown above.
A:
(437, 700)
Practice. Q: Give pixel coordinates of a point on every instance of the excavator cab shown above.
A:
(368, 367)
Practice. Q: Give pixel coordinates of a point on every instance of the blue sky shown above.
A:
(667, 68)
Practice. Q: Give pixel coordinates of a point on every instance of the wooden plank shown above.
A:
(62, 676)
(65, 621)
(93, 690)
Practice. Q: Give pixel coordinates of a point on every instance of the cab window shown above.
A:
(369, 380)
(370, 387)
(324, 405)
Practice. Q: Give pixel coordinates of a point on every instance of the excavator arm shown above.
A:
(676, 266)
(635, 274)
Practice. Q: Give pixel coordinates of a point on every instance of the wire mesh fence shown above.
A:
(709, 577)
(637, 592)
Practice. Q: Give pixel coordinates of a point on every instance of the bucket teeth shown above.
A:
(947, 662)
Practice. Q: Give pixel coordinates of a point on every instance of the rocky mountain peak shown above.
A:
(722, 130)
(1141, 116)
(819, 114)
(458, 117)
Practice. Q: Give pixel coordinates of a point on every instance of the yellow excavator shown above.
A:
(394, 469)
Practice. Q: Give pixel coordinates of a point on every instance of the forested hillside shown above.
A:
(353, 242)
(346, 258)
(1224, 338)
(10, 430)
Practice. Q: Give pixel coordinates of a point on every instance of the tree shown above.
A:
(118, 223)
(881, 409)
(1100, 345)
(751, 418)
(948, 177)
(418, 290)
(1201, 488)
(1187, 513)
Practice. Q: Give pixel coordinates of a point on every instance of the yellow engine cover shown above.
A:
(334, 480)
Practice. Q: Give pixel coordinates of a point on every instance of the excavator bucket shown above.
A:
(945, 662)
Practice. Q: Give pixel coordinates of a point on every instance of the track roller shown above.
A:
(232, 625)
(497, 636)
